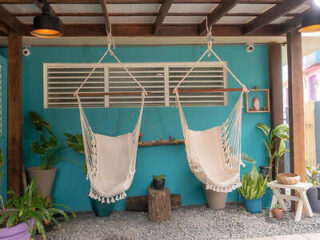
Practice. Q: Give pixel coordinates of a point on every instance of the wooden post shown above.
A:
(276, 88)
(296, 104)
(159, 206)
(15, 112)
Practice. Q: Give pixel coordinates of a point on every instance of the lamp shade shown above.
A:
(310, 22)
(46, 25)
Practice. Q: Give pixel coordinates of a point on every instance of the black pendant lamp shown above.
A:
(46, 25)
(311, 22)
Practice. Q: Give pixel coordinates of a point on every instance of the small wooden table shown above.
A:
(159, 204)
(302, 200)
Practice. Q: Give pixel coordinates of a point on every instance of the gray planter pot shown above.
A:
(215, 200)
(44, 180)
(314, 200)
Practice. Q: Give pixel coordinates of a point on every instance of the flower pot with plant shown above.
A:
(25, 215)
(277, 211)
(252, 189)
(47, 147)
(313, 194)
(75, 142)
(158, 181)
(275, 145)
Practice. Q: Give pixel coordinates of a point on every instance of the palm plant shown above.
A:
(275, 143)
(75, 142)
(31, 205)
(47, 145)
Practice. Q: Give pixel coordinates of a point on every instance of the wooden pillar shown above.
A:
(276, 88)
(15, 112)
(296, 104)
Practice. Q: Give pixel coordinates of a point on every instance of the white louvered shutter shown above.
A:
(204, 76)
(62, 80)
(150, 77)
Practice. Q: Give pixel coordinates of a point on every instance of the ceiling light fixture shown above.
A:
(310, 22)
(46, 25)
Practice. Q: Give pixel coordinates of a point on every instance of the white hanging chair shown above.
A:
(110, 161)
(214, 155)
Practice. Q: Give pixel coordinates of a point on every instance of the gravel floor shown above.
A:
(198, 222)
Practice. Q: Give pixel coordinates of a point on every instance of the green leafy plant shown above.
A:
(75, 142)
(276, 206)
(30, 205)
(47, 145)
(275, 143)
(253, 185)
(159, 177)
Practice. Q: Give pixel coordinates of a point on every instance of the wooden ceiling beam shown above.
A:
(107, 22)
(271, 15)
(129, 30)
(164, 9)
(293, 23)
(220, 11)
(10, 22)
(174, 14)
(136, 1)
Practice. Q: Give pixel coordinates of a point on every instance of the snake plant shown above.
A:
(253, 185)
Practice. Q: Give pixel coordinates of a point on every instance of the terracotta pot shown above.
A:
(216, 200)
(277, 213)
(44, 180)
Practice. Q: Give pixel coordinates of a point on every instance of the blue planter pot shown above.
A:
(253, 205)
(101, 209)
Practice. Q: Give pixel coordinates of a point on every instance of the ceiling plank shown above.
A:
(293, 23)
(164, 9)
(10, 21)
(107, 22)
(271, 15)
(221, 10)
(138, 1)
(126, 30)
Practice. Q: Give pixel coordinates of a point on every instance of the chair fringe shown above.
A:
(94, 195)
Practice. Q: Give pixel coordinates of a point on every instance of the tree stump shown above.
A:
(159, 205)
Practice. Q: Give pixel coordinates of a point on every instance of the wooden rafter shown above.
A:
(107, 22)
(126, 30)
(221, 10)
(10, 21)
(173, 14)
(164, 9)
(271, 15)
(293, 23)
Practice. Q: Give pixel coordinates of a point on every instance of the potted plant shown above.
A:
(26, 214)
(217, 200)
(158, 181)
(75, 142)
(47, 147)
(252, 189)
(313, 194)
(275, 145)
(277, 211)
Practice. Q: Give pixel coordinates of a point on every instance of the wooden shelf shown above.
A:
(161, 143)
(267, 96)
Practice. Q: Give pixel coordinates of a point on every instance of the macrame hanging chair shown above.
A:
(110, 160)
(214, 155)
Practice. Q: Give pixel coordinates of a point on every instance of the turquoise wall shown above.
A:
(71, 187)
(3, 138)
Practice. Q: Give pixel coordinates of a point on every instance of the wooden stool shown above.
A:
(159, 205)
(302, 200)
